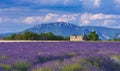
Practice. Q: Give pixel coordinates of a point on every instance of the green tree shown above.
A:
(34, 36)
(30, 36)
(93, 36)
(18, 37)
(85, 36)
(50, 36)
(13, 36)
(25, 35)
(42, 36)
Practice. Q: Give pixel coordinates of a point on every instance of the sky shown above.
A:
(17, 15)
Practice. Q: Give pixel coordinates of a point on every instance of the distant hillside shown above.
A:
(67, 29)
(5, 35)
(59, 28)
(105, 33)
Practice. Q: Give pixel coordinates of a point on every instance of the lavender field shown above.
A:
(60, 56)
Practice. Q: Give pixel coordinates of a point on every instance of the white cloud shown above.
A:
(102, 16)
(68, 18)
(12, 20)
(86, 22)
(91, 4)
(107, 22)
(89, 16)
(50, 17)
(78, 19)
(85, 18)
(29, 20)
(66, 2)
(96, 16)
(33, 19)
(98, 19)
(97, 3)
(117, 3)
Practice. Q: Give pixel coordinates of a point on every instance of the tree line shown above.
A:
(34, 36)
(114, 39)
(93, 36)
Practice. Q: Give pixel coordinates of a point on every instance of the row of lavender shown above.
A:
(60, 56)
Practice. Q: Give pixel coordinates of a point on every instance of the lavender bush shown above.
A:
(60, 56)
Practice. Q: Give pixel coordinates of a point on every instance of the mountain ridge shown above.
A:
(67, 29)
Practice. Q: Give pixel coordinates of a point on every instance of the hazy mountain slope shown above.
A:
(67, 29)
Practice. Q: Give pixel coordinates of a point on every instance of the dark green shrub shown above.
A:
(3, 57)
(6, 67)
(43, 59)
(43, 69)
(72, 67)
(21, 66)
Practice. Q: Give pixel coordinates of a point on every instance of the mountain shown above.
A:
(58, 28)
(5, 35)
(67, 29)
(105, 33)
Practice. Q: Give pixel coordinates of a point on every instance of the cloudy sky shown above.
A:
(17, 15)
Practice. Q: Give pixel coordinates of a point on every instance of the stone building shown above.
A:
(76, 38)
